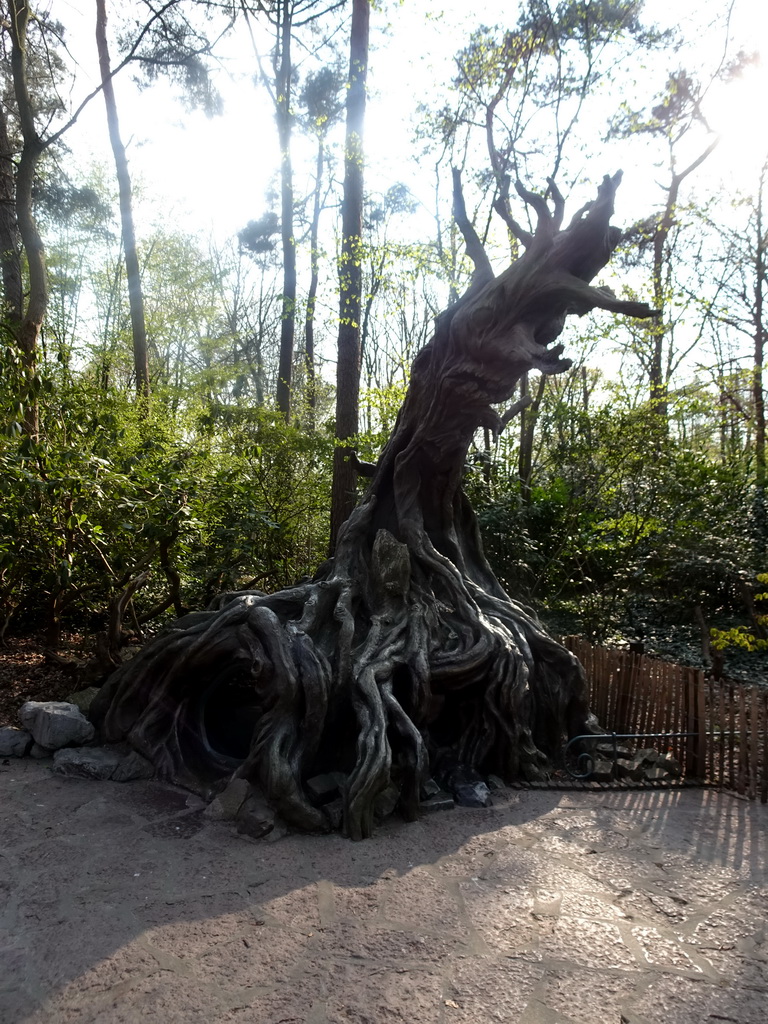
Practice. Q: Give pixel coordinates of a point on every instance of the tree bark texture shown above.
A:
(314, 262)
(760, 506)
(350, 274)
(133, 273)
(761, 276)
(405, 648)
(29, 325)
(10, 240)
(284, 131)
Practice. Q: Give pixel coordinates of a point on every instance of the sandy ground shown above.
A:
(121, 903)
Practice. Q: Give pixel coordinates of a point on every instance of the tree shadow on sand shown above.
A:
(124, 902)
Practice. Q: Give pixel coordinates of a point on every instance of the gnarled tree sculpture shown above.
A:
(405, 644)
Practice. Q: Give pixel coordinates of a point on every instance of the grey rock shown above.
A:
(646, 757)
(656, 774)
(441, 801)
(472, 794)
(133, 766)
(255, 817)
(386, 801)
(39, 752)
(602, 771)
(429, 789)
(670, 765)
(55, 723)
(465, 784)
(227, 804)
(606, 750)
(14, 742)
(326, 787)
(495, 783)
(335, 812)
(87, 762)
(83, 699)
(626, 769)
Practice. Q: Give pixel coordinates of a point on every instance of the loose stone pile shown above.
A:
(611, 763)
(61, 731)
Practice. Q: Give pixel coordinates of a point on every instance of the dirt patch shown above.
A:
(120, 904)
(25, 674)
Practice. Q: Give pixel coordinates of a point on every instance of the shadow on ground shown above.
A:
(121, 903)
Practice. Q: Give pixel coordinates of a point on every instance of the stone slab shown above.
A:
(40, 752)
(87, 762)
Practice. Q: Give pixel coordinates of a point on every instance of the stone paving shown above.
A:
(122, 904)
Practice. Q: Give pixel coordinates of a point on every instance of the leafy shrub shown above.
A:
(195, 501)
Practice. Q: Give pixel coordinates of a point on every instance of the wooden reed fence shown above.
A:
(727, 722)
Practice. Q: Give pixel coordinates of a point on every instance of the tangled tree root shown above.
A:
(373, 675)
(404, 647)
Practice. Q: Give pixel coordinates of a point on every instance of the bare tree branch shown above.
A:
(483, 270)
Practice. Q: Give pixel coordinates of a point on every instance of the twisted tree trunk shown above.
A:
(405, 645)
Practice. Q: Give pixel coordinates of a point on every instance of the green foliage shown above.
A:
(322, 98)
(625, 520)
(747, 638)
(263, 512)
(738, 636)
(551, 60)
(203, 499)
(384, 403)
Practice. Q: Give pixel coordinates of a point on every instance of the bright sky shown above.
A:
(212, 173)
(735, 110)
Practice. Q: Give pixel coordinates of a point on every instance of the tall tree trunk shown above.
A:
(314, 259)
(657, 383)
(10, 239)
(757, 373)
(758, 397)
(135, 296)
(350, 274)
(30, 323)
(283, 117)
(657, 377)
(528, 419)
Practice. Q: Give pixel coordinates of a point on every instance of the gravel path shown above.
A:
(121, 903)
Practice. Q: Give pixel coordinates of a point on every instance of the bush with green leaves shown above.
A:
(625, 520)
(750, 638)
(192, 500)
